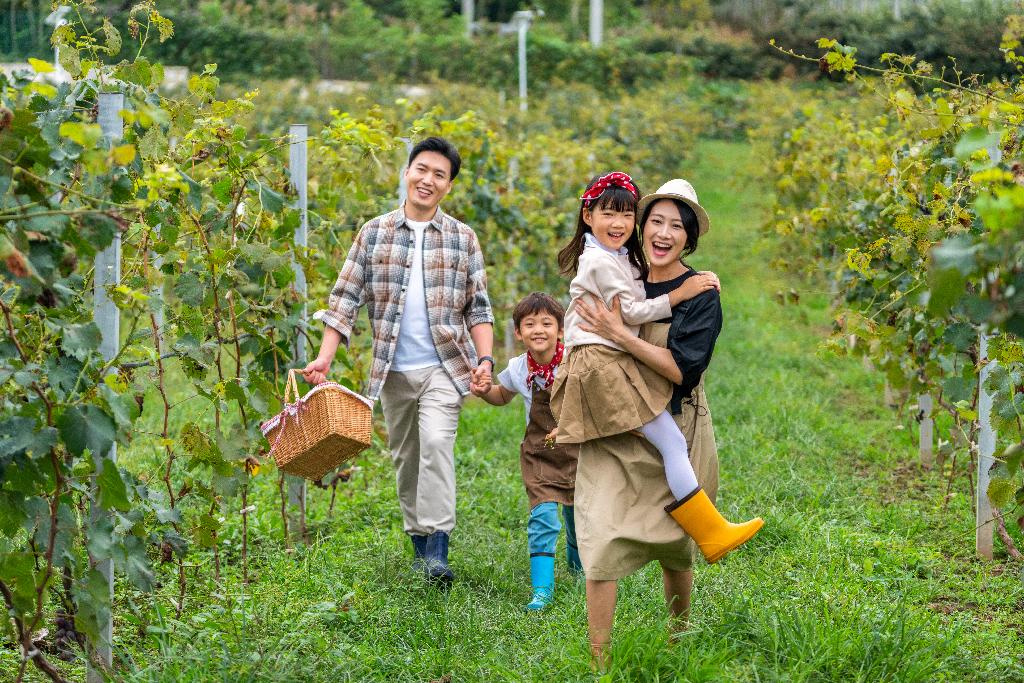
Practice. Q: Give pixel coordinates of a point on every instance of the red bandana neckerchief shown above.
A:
(616, 178)
(544, 373)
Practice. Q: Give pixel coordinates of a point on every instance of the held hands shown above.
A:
(316, 372)
(549, 440)
(480, 379)
(479, 389)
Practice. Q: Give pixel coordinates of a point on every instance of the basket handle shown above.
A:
(291, 386)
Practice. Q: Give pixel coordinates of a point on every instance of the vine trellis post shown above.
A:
(403, 192)
(924, 404)
(986, 449)
(106, 274)
(298, 172)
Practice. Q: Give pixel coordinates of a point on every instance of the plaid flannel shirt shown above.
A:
(376, 273)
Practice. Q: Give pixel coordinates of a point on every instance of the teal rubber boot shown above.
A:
(572, 552)
(572, 555)
(542, 576)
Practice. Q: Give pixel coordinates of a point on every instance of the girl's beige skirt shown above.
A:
(600, 391)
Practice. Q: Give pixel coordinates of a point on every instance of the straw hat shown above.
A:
(677, 188)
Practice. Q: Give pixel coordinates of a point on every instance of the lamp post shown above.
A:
(596, 22)
(521, 22)
(56, 19)
(467, 16)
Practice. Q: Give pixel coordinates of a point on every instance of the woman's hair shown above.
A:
(538, 302)
(617, 199)
(690, 224)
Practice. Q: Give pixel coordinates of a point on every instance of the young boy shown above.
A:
(549, 470)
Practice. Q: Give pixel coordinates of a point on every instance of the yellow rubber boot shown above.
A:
(714, 534)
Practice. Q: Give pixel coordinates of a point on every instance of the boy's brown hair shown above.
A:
(538, 302)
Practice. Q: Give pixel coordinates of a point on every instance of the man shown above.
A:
(421, 275)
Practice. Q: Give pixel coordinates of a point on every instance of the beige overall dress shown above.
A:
(621, 492)
(549, 473)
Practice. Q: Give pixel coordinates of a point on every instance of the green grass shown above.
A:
(859, 574)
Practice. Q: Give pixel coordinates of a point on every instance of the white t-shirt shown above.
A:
(415, 346)
(513, 378)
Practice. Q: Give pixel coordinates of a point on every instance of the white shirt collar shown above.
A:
(591, 241)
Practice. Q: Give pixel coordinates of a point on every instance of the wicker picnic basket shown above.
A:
(319, 431)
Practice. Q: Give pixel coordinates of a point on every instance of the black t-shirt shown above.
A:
(695, 325)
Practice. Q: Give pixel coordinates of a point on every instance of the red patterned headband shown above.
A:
(617, 179)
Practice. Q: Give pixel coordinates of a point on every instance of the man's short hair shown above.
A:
(441, 146)
(538, 302)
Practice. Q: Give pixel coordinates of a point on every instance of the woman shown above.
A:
(620, 485)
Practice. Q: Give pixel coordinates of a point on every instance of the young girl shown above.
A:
(602, 390)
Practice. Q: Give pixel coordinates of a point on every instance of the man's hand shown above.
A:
(603, 321)
(316, 372)
(549, 440)
(480, 379)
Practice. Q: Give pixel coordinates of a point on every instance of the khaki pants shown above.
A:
(421, 410)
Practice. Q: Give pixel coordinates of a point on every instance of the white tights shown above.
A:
(664, 434)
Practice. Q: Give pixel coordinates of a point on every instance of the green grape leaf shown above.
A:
(112, 37)
(960, 336)
(1000, 491)
(136, 564)
(123, 407)
(222, 189)
(19, 433)
(272, 201)
(18, 570)
(80, 340)
(189, 288)
(92, 600)
(1012, 457)
(153, 144)
(113, 494)
(974, 140)
(65, 373)
(946, 288)
(87, 427)
(69, 59)
(139, 72)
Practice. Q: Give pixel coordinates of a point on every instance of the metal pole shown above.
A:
(596, 22)
(924, 404)
(513, 174)
(524, 26)
(467, 16)
(403, 192)
(986, 449)
(510, 338)
(986, 435)
(106, 274)
(297, 171)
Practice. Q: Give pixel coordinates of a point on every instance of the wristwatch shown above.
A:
(483, 358)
